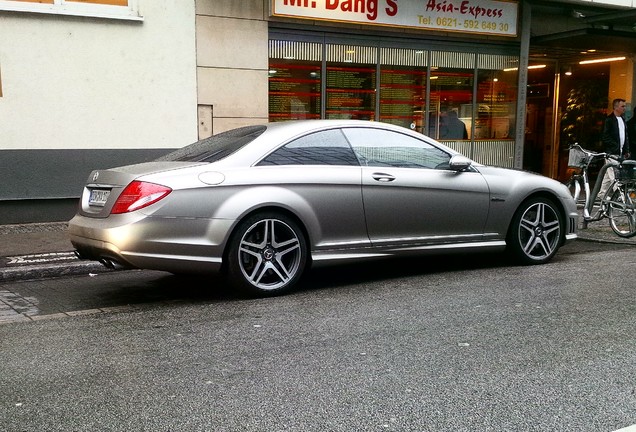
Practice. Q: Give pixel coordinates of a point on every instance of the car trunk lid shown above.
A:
(104, 187)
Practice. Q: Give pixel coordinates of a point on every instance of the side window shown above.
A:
(320, 148)
(375, 147)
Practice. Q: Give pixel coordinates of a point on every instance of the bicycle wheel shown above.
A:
(574, 186)
(621, 212)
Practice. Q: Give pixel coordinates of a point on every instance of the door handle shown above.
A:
(383, 177)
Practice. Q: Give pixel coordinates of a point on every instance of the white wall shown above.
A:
(84, 83)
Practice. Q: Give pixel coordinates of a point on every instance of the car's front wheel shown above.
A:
(267, 255)
(535, 231)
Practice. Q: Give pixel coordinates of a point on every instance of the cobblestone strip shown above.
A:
(15, 316)
(9, 315)
(15, 307)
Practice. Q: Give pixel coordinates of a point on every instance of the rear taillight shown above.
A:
(138, 195)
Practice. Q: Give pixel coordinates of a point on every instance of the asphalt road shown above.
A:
(459, 344)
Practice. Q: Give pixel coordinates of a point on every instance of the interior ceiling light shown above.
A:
(541, 66)
(602, 60)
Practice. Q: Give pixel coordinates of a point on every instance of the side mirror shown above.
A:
(459, 163)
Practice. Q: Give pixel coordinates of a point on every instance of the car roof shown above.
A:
(309, 125)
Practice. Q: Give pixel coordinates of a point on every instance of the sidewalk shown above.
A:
(40, 250)
(35, 251)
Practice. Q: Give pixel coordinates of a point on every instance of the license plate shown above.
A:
(98, 197)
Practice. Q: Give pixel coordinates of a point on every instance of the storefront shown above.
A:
(584, 53)
(461, 91)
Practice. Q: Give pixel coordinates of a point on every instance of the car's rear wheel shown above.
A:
(535, 232)
(267, 255)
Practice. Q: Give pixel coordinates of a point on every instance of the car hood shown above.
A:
(505, 181)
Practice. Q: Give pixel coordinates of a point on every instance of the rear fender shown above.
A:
(245, 202)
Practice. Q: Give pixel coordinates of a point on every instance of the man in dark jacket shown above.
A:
(615, 139)
(615, 136)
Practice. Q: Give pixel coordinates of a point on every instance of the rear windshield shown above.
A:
(216, 147)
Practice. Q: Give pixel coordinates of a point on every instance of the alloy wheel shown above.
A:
(270, 254)
(539, 231)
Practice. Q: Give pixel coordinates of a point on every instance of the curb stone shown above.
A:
(42, 271)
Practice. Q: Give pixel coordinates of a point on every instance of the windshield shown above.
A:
(216, 147)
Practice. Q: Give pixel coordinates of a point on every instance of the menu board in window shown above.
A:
(496, 107)
(402, 96)
(351, 92)
(294, 91)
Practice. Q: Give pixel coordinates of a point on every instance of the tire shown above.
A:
(267, 255)
(621, 214)
(535, 233)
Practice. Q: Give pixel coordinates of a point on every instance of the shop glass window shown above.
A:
(320, 148)
(403, 87)
(381, 148)
(496, 97)
(351, 82)
(451, 96)
(294, 80)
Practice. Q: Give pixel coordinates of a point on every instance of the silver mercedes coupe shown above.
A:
(261, 204)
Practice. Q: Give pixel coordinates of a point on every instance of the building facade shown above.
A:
(88, 84)
(98, 83)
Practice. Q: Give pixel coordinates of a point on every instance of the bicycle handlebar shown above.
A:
(593, 154)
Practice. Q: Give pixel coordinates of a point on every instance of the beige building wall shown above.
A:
(232, 64)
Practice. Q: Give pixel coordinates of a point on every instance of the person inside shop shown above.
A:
(615, 139)
(451, 127)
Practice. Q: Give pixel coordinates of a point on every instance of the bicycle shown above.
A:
(618, 203)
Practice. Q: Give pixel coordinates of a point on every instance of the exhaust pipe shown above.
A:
(111, 264)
